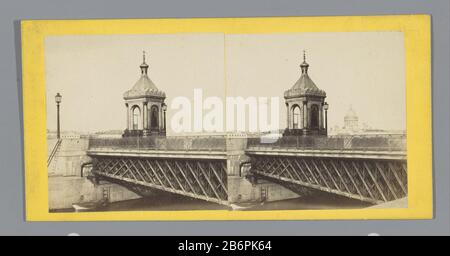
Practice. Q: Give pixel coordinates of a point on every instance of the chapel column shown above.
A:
(144, 115)
(128, 116)
(288, 118)
(321, 117)
(305, 114)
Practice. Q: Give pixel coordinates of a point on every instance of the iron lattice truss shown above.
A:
(202, 179)
(371, 180)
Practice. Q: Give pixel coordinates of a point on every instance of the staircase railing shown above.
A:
(53, 153)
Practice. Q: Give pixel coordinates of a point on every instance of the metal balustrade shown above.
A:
(355, 142)
(160, 143)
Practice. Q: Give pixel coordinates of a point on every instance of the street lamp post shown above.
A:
(325, 107)
(58, 101)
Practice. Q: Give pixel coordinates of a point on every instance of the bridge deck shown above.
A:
(335, 153)
(154, 153)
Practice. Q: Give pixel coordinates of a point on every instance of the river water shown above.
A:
(171, 202)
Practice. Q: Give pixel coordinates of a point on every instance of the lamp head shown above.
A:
(58, 98)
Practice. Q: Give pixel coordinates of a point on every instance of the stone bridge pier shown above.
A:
(241, 186)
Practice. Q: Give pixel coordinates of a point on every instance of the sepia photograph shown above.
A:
(229, 126)
(221, 121)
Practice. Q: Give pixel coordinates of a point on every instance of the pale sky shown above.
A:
(362, 69)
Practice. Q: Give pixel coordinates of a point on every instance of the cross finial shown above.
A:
(304, 65)
(143, 66)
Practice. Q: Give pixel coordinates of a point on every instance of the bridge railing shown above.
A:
(351, 142)
(160, 143)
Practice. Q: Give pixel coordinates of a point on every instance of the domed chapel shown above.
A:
(146, 110)
(305, 106)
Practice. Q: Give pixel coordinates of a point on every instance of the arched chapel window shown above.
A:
(314, 116)
(296, 117)
(136, 117)
(154, 117)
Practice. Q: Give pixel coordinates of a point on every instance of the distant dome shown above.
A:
(351, 115)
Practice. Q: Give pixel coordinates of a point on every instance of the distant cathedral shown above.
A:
(351, 120)
(306, 107)
(146, 110)
(352, 125)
